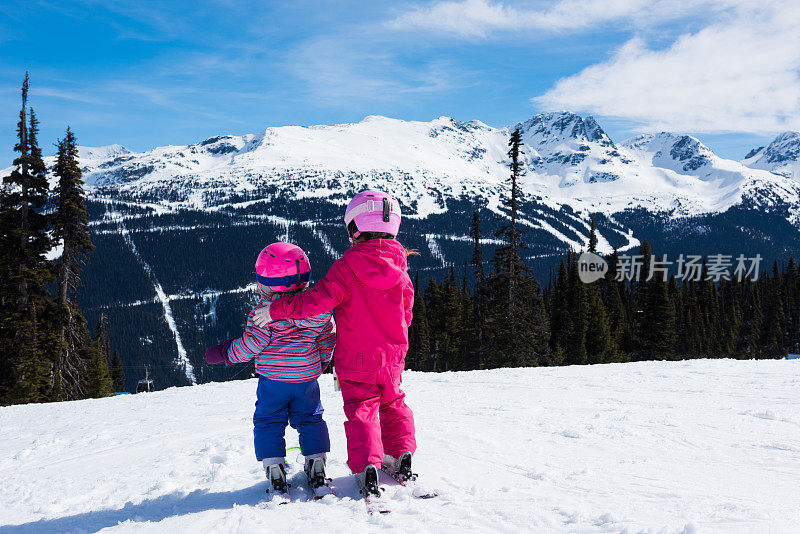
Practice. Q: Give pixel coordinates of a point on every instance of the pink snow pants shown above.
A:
(378, 420)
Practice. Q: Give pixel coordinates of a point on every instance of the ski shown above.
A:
(400, 470)
(371, 491)
(320, 492)
(280, 497)
(376, 505)
(418, 491)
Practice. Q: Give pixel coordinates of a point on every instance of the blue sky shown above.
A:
(151, 73)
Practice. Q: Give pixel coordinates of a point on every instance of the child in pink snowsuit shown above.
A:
(373, 296)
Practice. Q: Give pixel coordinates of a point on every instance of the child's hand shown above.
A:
(261, 316)
(218, 353)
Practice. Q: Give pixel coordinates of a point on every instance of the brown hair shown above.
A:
(367, 236)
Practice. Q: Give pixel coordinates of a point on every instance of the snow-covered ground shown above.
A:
(700, 446)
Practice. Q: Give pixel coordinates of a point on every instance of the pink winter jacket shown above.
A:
(373, 296)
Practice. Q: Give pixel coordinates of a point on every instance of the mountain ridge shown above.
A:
(570, 160)
(180, 224)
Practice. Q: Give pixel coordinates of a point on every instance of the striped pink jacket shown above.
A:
(291, 350)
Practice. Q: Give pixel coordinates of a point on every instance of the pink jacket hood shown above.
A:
(378, 263)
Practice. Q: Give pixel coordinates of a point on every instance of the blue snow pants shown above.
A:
(295, 403)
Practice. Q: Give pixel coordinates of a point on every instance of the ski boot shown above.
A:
(399, 468)
(371, 491)
(275, 469)
(315, 471)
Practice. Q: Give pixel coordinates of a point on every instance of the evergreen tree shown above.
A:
(71, 229)
(657, 330)
(791, 290)
(433, 303)
(753, 322)
(97, 378)
(690, 332)
(611, 292)
(507, 257)
(117, 373)
(774, 343)
(30, 380)
(600, 345)
(559, 316)
(479, 300)
(418, 332)
(25, 335)
(575, 335)
(516, 309)
(592, 237)
(101, 339)
(72, 221)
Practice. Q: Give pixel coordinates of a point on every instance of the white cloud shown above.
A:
(336, 70)
(480, 18)
(736, 74)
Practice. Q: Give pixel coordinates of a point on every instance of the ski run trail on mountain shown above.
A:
(183, 358)
(662, 447)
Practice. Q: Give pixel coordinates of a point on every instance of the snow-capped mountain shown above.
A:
(699, 173)
(179, 226)
(571, 161)
(781, 156)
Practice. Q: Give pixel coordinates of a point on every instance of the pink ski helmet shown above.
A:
(373, 211)
(283, 267)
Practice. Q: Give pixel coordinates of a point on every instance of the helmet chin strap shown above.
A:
(352, 237)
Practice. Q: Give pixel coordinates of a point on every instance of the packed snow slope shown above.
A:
(696, 446)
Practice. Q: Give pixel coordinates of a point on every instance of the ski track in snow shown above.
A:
(182, 358)
(323, 239)
(433, 246)
(703, 446)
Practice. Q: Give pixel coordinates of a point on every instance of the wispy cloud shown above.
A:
(738, 74)
(334, 69)
(483, 18)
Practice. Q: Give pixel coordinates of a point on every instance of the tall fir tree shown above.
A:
(26, 308)
(97, 378)
(774, 336)
(592, 236)
(516, 309)
(71, 226)
(507, 257)
(575, 335)
(657, 330)
(117, 373)
(479, 304)
(419, 349)
(71, 229)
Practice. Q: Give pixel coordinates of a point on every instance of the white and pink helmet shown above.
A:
(373, 211)
(283, 267)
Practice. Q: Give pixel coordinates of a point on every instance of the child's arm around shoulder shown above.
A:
(326, 295)
(253, 341)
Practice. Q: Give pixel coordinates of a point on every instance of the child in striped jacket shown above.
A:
(289, 356)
